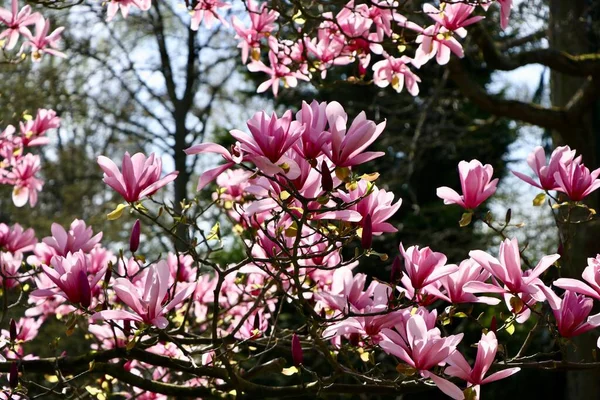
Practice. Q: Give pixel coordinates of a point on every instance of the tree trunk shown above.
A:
(570, 31)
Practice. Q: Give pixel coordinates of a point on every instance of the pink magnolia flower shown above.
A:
(395, 71)
(124, 6)
(561, 156)
(146, 303)
(232, 158)
(476, 183)
(27, 329)
(10, 263)
(72, 279)
(421, 347)
(475, 376)
(454, 285)
(507, 269)
(591, 274)
(378, 203)
(424, 266)
(348, 291)
(206, 10)
(576, 180)
(16, 21)
(139, 176)
(16, 240)
(348, 144)
(269, 139)
(366, 327)
(453, 16)
(278, 71)
(571, 313)
(262, 24)
(314, 118)
(26, 185)
(41, 42)
(79, 237)
(31, 131)
(436, 41)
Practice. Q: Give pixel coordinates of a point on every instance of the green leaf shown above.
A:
(466, 219)
(539, 200)
(116, 213)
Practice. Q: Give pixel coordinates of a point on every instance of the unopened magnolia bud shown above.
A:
(396, 270)
(13, 375)
(326, 179)
(134, 240)
(367, 233)
(494, 324)
(296, 350)
(354, 339)
(108, 275)
(13, 330)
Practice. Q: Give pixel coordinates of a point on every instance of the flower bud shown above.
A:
(296, 350)
(326, 179)
(13, 330)
(108, 275)
(494, 324)
(354, 339)
(367, 233)
(13, 375)
(134, 240)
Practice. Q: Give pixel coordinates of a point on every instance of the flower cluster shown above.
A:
(16, 23)
(355, 34)
(18, 168)
(290, 188)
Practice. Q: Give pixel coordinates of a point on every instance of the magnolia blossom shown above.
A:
(454, 285)
(146, 301)
(591, 274)
(16, 240)
(26, 184)
(476, 183)
(124, 5)
(71, 277)
(78, 237)
(17, 22)
(348, 144)
(571, 313)
(42, 42)
(313, 117)
(576, 180)
(206, 10)
(139, 176)
(269, 140)
(395, 71)
(33, 129)
(560, 158)
(474, 376)
(374, 202)
(424, 266)
(453, 16)
(436, 41)
(420, 346)
(506, 269)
